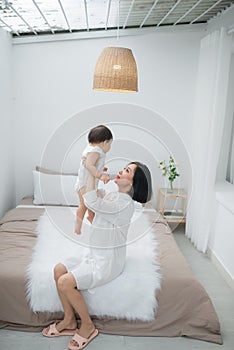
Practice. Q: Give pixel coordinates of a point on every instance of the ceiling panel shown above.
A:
(38, 17)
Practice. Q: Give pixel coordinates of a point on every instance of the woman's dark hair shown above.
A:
(142, 184)
(99, 134)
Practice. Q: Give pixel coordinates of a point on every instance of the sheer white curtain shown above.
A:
(209, 115)
(230, 170)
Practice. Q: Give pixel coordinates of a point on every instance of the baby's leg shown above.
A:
(80, 213)
(90, 216)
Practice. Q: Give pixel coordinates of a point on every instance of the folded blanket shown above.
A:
(131, 295)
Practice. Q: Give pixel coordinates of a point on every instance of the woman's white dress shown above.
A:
(108, 236)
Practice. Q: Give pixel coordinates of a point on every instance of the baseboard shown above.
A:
(220, 267)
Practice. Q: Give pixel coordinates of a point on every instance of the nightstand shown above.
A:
(172, 215)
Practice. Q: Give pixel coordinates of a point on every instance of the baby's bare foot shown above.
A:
(90, 219)
(77, 229)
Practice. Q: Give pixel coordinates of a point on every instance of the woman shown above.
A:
(107, 255)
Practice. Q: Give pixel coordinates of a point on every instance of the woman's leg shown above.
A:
(80, 213)
(69, 318)
(67, 286)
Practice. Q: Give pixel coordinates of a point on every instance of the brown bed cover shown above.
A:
(184, 307)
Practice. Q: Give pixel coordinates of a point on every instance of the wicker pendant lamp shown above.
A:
(116, 70)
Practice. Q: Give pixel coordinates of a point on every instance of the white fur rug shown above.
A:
(131, 295)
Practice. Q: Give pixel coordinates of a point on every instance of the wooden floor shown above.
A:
(220, 293)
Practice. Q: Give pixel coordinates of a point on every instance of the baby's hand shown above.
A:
(83, 160)
(101, 192)
(104, 178)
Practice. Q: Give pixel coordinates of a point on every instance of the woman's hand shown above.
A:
(104, 178)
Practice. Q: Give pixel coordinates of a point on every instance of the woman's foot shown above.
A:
(85, 331)
(60, 328)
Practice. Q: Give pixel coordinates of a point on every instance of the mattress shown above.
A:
(184, 307)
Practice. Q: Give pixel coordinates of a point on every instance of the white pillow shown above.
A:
(54, 189)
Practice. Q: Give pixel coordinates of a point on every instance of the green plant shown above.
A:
(170, 170)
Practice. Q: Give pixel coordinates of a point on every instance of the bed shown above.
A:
(184, 307)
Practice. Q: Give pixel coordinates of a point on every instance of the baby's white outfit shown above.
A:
(83, 173)
(108, 236)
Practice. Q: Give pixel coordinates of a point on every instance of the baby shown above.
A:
(92, 161)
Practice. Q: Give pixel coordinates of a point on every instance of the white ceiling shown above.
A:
(38, 17)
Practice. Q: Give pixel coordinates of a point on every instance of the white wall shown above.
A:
(53, 81)
(221, 240)
(7, 194)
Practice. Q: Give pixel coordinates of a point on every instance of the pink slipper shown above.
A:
(53, 332)
(82, 342)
